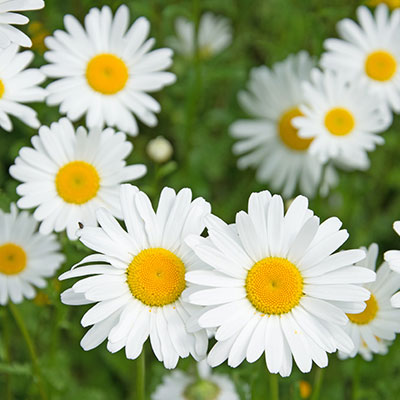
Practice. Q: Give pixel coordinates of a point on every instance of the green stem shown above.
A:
(274, 386)
(140, 376)
(318, 379)
(7, 353)
(356, 378)
(29, 343)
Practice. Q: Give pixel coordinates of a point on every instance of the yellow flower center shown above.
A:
(107, 74)
(12, 259)
(77, 182)
(390, 3)
(367, 315)
(339, 121)
(2, 89)
(156, 277)
(380, 65)
(274, 285)
(289, 134)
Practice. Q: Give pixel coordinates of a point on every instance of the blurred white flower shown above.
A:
(8, 33)
(214, 35)
(26, 257)
(106, 70)
(160, 149)
(68, 175)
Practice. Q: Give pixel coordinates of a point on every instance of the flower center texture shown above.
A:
(289, 134)
(339, 121)
(77, 182)
(201, 390)
(274, 285)
(156, 277)
(12, 259)
(107, 74)
(2, 89)
(367, 315)
(380, 66)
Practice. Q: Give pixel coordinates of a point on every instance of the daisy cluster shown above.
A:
(308, 119)
(274, 283)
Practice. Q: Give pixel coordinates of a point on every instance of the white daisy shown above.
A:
(276, 287)
(180, 386)
(369, 52)
(8, 33)
(105, 70)
(373, 330)
(18, 85)
(140, 276)
(26, 257)
(343, 119)
(214, 36)
(67, 175)
(269, 142)
(392, 257)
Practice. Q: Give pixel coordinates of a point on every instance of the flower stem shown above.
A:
(29, 343)
(7, 353)
(356, 378)
(140, 376)
(318, 379)
(274, 386)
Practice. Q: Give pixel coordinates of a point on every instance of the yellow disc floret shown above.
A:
(289, 134)
(339, 121)
(12, 259)
(77, 182)
(380, 65)
(107, 74)
(2, 89)
(156, 277)
(274, 285)
(367, 315)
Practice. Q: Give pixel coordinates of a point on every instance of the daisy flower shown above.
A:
(373, 330)
(180, 386)
(139, 277)
(26, 257)
(369, 52)
(8, 33)
(18, 85)
(275, 285)
(342, 118)
(392, 257)
(67, 175)
(105, 70)
(214, 36)
(269, 142)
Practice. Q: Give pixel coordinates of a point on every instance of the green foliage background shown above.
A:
(196, 113)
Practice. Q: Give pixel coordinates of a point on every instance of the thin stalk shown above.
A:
(6, 340)
(356, 378)
(140, 376)
(318, 379)
(274, 386)
(32, 352)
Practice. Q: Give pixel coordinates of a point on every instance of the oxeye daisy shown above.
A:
(342, 118)
(8, 33)
(26, 257)
(105, 70)
(18, 85)
(67, 175)
(392, 257)
(139, 277)
(373, 330)
(269, 142)
(208, 386)
(276, 285)
(214, 36)
(369, 52)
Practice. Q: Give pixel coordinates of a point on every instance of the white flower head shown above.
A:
(370, 52)
(8, 33)
(18, 85)
(68, 174)
(214, 36)
(139, 277)
(343, 118)
(269, 142)
(105, 69)
(277, 286)
(374, 329)
(180, 386)
(26, 257)
(392, 257)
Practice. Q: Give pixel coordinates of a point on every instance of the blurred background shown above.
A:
(196, 113)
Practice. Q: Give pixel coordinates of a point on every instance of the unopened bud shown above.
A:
(159, 149)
